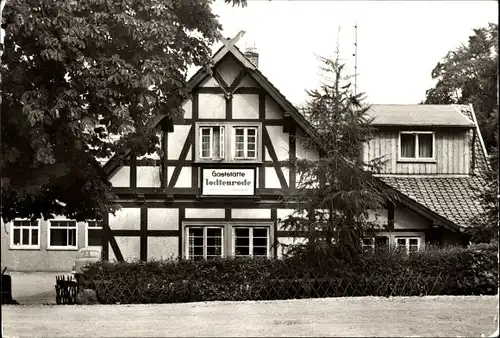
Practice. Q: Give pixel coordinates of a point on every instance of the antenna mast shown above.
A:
(355, 58)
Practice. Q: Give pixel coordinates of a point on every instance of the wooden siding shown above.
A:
(452, 154)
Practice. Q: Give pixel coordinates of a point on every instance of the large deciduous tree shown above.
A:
(80, 81)
(469, 75)
(336, 192)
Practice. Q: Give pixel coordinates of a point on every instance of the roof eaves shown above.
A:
(422, 209)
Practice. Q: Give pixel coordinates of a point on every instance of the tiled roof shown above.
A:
(455, 198)
(418, 115)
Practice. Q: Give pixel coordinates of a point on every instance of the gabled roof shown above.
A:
(256, 75)
(203, 72)
(454, 198)
(418, 115)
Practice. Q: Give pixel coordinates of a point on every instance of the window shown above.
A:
(25, 234)
(371, 243)
(94, 233)
(251, 242)
(416, 145)
(228, 142)
(409, 244)
(204, 243)
(212, 142)
(245, 143)
(62, 235)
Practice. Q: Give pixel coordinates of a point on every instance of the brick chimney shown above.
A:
(252, 55)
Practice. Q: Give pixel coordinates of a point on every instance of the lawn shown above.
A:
(438, 316)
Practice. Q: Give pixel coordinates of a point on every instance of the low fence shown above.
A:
(66, 289)
(145, 289)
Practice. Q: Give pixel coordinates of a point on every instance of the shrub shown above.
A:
(447, 271)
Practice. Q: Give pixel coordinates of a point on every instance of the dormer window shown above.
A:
(416, 146)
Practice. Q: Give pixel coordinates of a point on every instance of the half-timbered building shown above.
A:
(216, 189)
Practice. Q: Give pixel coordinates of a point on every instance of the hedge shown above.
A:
(445, 271)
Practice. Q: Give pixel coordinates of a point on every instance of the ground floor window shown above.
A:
(94, 233)
(409, 244)
(204, 242)
(226, 239)
(25, 234)
(251, 241)
(62, 235)
(371, 243)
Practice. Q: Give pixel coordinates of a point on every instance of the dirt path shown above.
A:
(368, 316)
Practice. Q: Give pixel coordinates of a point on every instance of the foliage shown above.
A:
(469, 75)
(485, 227)
(334, 193)
(446, 271)
(81, 81)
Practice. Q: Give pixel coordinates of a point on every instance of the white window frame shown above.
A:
(227, 234)
(245, 142)
(407, 242)
(24, 246)
(204, 227)
(250, 234)
(212, 156)
(60, 247)
(417, 158)
(227, 142)
(99, 227)
(370, 246)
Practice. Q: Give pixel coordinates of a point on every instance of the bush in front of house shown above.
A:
(446, 271)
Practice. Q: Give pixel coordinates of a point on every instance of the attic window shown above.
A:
(415, 146)
(228, 142)
(212, 142)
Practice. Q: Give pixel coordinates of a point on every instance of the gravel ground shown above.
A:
(441, 316)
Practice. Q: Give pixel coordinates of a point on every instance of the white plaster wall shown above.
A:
(176, 141)
(121, 177)
(126, 219)
(211, 106)
(184, 180)
(162, 248)
(302, 151)
(228, 70)
(279, 140)
(209, 82)
(283, 214)
(407, 219)
(248, 82)
(272, 180)
(267, 157)
(188, 109)
(163, 219)
(148, 177)
(246, 106)
(250, 213)
(130, 247)
(273, 111)
(204, 213)
(170, 171)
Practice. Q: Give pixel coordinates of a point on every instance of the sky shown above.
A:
(399, 42)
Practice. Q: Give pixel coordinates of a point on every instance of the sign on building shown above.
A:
(228, 182)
